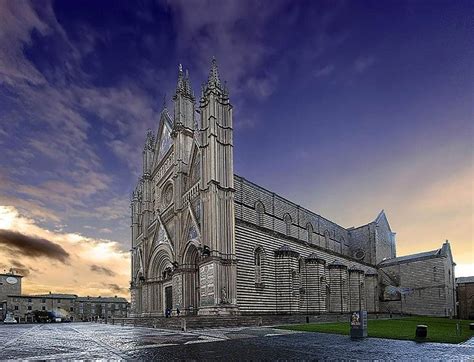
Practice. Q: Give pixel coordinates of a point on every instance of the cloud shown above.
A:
(324, 71)
(226, 32)
(20, 268)
(18, 20)
(116, 288)
(104, 256)
(361, 64)
(32, 246)
(102, 270)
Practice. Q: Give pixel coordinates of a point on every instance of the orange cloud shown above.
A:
(105, 258)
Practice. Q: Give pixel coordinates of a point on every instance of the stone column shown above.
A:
(287, 281)
(356, 289)
(314, 284)
(338, 282)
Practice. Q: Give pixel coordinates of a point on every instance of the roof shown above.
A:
(337, 264)
(465, 280)
(56, 295)
(11, 275)
(102, 299)
(52, 296)
(413, 257)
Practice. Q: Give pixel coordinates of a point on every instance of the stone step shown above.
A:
(199, 322)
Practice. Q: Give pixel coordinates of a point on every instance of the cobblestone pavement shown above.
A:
(99, 341)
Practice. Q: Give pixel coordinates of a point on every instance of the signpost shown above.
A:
(358, 321)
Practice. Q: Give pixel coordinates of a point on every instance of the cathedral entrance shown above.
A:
(191, 280)
(168, 298)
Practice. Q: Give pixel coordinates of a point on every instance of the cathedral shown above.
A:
(206, 241)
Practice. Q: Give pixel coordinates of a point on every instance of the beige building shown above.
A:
(67, 307)
(206, 241)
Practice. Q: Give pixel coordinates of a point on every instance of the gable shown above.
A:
(382, 220)
(164, 140)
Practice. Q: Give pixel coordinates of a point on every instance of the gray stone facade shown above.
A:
(206, 241)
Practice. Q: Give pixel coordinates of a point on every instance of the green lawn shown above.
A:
(439, 329)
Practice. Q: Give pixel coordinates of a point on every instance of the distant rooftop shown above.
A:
(465, 280)
(73, 296)
(444, 251)
(49, 295)
(11, 273)
(412, 257)
(102, 299)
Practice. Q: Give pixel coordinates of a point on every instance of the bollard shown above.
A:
(421, 331)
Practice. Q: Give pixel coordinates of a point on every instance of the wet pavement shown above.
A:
(100, 341)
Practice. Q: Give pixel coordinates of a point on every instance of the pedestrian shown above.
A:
(177, 311)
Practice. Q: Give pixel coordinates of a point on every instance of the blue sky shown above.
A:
(346, 107)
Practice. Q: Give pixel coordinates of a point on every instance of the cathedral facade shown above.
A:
(208, 242)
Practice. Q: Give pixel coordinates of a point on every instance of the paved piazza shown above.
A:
(99, 341)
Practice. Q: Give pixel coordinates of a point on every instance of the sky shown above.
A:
(344, 107)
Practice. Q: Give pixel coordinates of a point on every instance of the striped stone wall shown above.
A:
(292, 280)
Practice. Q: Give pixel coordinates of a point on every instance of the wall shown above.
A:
(276, 273)
(323, 232)
(465, 295)
(427, 292)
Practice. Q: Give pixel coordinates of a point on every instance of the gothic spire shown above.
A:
(180, 84)
(187, 84)
(184, 84)
(213, 79)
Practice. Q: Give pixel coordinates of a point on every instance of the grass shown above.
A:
(439, 329)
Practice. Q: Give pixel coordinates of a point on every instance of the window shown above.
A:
(435, 274)
(309, 230)
(260, 209)
(288, 222)
(16, 307)
(258, 262)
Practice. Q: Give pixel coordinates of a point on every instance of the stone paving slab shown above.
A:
(98, 341)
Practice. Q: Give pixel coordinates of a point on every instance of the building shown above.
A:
(420, 280)
(24, 307)
(209, 242)
(465, 297)
(10, 283)
(92, 308)
(68, 307)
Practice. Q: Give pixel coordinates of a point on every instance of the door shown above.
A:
(169, 298)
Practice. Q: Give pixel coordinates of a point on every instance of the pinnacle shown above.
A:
(213, 79)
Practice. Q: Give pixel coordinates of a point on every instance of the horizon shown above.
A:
(343, 108)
